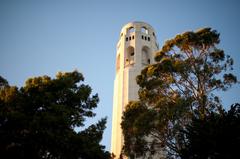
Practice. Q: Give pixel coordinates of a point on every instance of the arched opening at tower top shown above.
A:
(146, 56)
(130, 30)
(129, 55)
(144, 30)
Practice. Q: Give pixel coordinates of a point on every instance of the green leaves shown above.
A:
(160, 55)
(3, 82)
(217, 55)
(134, 132)
(216, 136)
(190, 41)
(38, 120)
(189, 68)
(229, 79)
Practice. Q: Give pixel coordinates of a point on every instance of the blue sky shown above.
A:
(42, 37)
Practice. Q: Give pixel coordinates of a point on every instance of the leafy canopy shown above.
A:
(38, 120)
(216, 136)
(189, 69)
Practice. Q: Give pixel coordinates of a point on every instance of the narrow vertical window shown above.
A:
(145, 56)
(130, 56)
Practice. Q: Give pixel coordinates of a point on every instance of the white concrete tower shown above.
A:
(135, 50)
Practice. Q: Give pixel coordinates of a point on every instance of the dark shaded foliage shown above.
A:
(216, 136)
(37, 121)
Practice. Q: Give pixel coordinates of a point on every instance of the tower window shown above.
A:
(144, 30)
(126, 38)
(130, 56)
(154, 34)
(145, 38)
(131, 30)
(133, 37)
(148, 38)
(145, 56)
(157, 45)
(142, 37)
(130, 38)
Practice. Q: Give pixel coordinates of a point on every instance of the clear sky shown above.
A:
(42, 37)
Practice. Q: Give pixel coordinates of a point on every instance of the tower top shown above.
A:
(137, 26)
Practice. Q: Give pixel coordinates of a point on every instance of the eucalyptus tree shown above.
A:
(189, 69)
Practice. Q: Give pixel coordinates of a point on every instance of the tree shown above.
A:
(3, 82)
(216, 136)
(37, 121)
(189, 69)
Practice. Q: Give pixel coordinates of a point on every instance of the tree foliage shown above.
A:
(216, 136)
(38, 120)
(3, 82)
(189, 69)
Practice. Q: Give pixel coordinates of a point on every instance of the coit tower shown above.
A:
(135, 50)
